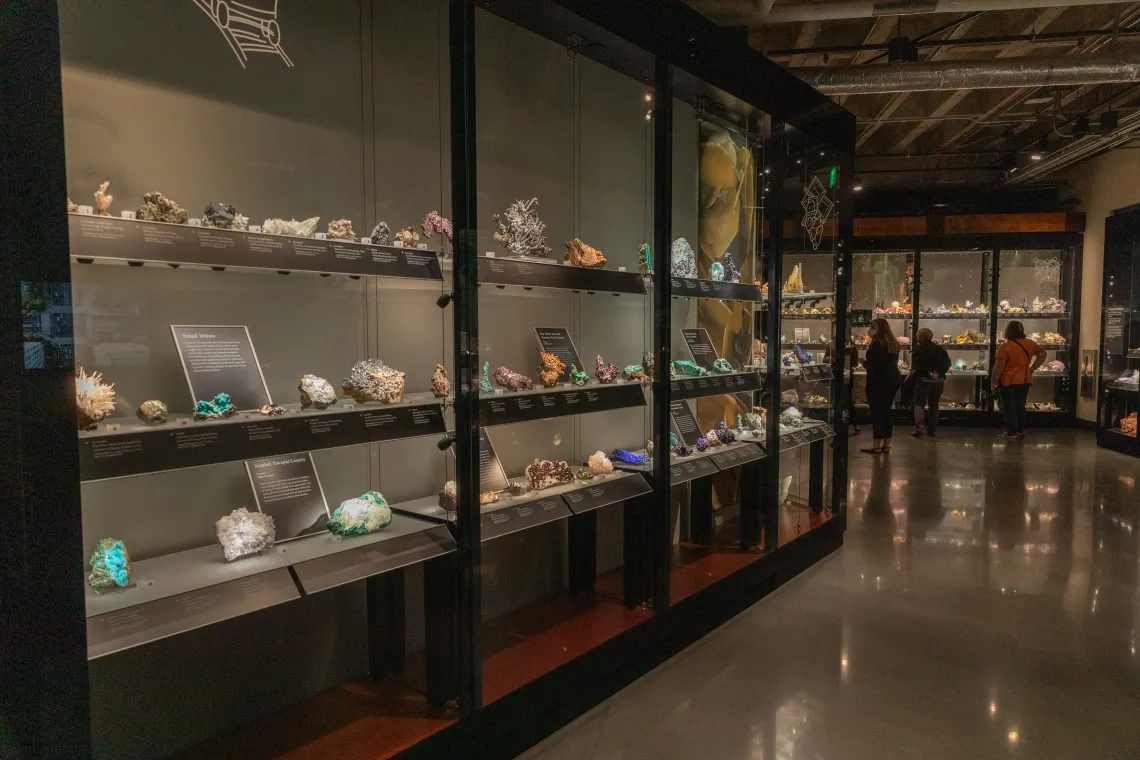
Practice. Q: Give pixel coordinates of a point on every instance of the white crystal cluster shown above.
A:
(291, 227)
(242, 533)
(599, 464)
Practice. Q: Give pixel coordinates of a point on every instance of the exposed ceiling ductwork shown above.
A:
(1079, 150)
(969, 75)
(837, 9)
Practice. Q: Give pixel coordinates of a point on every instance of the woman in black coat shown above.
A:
(883, 381)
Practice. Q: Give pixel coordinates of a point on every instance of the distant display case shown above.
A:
(882, 287)
(1119, 397)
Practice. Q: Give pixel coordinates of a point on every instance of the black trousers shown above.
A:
(881, 403)
(1013, 407)
(927, 394)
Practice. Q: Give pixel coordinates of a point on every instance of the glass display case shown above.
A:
(1119, 397)
(882, 286)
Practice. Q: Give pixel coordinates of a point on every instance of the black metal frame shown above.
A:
(1121, 230)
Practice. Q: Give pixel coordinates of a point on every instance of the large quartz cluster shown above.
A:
(110, 565)
(521, 231)
(316, 391)
(292, 227)
(683, 262)
(158, 208)
(94, 399)
(606, 373)
(243, 533)
(545, 473)
(550, 368)
(365, 514)
(512, 381)
(373, 380)
(578, 254)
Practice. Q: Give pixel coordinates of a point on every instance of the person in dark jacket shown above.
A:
(930, 365)
(883, 381)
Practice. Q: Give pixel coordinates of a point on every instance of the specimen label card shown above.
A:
(542, 274)
(1113, 330)
(600, 493)
(220, 359)
(700, 346)
(685, 422)
(716, 385)
(492, 476)
(506, 520)
(288, 490)
(557, 341)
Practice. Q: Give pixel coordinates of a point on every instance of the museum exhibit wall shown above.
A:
(1103, 185)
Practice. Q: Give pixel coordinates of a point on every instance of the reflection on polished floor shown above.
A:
(985, 605)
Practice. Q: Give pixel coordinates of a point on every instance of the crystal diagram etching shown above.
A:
(817, 208)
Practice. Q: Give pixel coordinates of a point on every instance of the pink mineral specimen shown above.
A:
(512, 380)
(606, 373)
(341, 229)
(578, 254)
(550, 368)
(103, 200)
(435, 223)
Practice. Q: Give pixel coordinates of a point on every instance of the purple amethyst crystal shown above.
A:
(682, 450)
(702, 443)
(724, 434)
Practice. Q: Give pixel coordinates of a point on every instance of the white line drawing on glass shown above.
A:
(247, 28)
(817, 208)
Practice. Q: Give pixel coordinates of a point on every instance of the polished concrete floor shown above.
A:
(985, 605)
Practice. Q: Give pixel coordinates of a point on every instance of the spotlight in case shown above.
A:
(649, 115)
(858, 184)
(649, 96)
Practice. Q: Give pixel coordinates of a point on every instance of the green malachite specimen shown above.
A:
(686, 367)
(485, 384)
(217, 409)
(110, 565)
(645, 259)
(633, 372)
(722, 367)
(577, 376)
(365, 514)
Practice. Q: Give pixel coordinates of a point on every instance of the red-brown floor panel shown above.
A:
(355, 721)
(796, 520)
(533, 641)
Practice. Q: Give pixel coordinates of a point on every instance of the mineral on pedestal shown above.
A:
(691, 369)
(158, 208)
(152, 412)
(550, 368)
(512, 380)
(271, 410)
(94, 399)
(578, 254)
(448, 496)
(436, 224)
(731, 273)
(341, 229)
(316, 391)
(103, 200)
(716, 271)
(110, 565)
(577, 376)
(684, 262)
(795, 283)
(365, 514)
(373, 380)
(243, 533)
(599, 463)
(219, 408)
(381, 235)
(521, 232)
(220, 215)
(645, 259)
(722, 367)
(545, 473)
(606, 373)
(485, 384)
(408, 237)
(293, 228)
(440, 382)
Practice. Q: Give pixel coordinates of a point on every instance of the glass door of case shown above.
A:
(882, 287)
(1035, 288)
(1119, 399)
(954, 289)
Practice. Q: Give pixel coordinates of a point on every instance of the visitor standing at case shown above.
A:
(1016, 361)
(931, 363)
(883, 381)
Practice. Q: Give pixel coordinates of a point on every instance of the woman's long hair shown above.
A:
(884, 336)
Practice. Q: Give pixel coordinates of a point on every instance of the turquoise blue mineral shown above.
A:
(722, 367)
(110, 565)
(716, 271)
(220, 407)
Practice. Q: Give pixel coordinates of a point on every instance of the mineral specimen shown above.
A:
(795, 283)
(739, 424)
(220, 215)
(440, 382)
(243, 533)
(110, 565)
(634, 372)
(716, 271)
(606, 373)
(702, 444)
(316, 391)
(381, 235)
(408, 237)
(521, 233)
(448, 495)
(152, 412)
(713, 439)
(683, 262)
(754, 421)
(292, 227)
(512, 380)
(578, 254)
(434, 224)
(577, 376)
(373, 380)
(517, 488)
(219, 408)
(628, 457)
(488, 497)
(792, 418)
(94, 399)
(103, 200)
(72, 206)
(1128, 424)
(722, 367)
(683, 450)
(647, 363)
(599, 463)
(158, 208)
(485, 383)
(365, 514)
(644, 259)
(724, 433)
(584, 474)
(545, 473)
(271, 410)
(691, 369)
(731, 273)
(550, 368)
(341, 229)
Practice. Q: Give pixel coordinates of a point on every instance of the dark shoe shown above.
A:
(871, 451)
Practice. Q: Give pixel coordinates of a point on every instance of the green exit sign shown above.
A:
(834, 177)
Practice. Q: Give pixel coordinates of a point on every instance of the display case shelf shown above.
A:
(702, 463)
(965, 346)
(135, 242)
(967, 373)
(682, 388)
(799, 316)
(129, 447)
(806, 296)
(548, 274)
(684, 287)
(1035, 315)
(810, 432)
(1121, 387)
(963, 316)
(563, 401)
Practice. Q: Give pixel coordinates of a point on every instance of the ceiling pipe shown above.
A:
(1042, 37)
(1078, 150)
(972, 75)
(838, 9)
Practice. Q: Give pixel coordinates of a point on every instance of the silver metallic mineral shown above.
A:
(316, 391)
